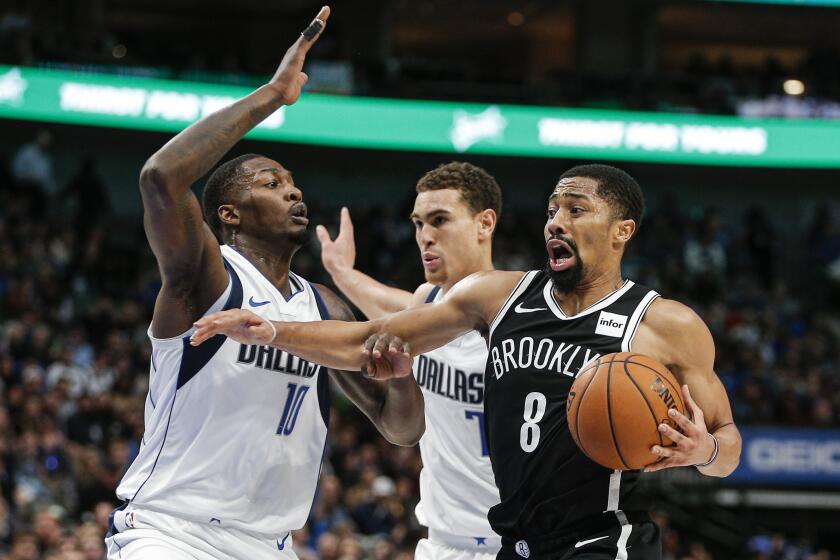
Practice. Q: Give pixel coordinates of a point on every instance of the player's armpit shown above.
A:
(675, 335)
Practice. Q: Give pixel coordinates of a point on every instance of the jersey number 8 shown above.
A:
(529, 433)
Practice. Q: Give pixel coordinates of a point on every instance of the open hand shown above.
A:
(388, 357)
(693, 446)
(290, 77)
(240, 325)
(338, 255)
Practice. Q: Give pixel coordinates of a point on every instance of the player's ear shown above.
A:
(486, 222)
(624, 231)
(228, 214)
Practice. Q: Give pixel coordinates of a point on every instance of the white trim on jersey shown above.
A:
(523, 284)
(605, 301)
(612, 505)
(636, 320)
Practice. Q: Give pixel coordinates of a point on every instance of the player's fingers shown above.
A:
(691, 407)
(323, 235)
(346, 227)
(659, 465)
(396, 345)
(682, 421)
(381, 346)
(309, 35)
(672, 434)
(302, 78)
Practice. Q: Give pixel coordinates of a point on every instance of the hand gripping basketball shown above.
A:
(694, 446)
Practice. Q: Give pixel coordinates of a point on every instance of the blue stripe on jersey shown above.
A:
(196, 357)
(324, 396)
(433, 294)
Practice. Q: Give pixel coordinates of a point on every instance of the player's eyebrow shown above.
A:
(283, 173)
(569, 194)
(430, 215)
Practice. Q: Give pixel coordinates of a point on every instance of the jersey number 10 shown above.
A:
(291, 409)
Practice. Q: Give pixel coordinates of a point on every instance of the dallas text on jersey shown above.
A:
(268, 357)
(443, 379)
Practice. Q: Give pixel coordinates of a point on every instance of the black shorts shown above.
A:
(635, 541)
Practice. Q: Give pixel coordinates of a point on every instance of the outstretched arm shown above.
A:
(186, 250)
(677, 337)
(339, 258)
(469, 305)
(394, 406)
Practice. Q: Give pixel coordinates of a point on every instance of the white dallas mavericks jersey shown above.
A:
(456, 483)
(235, 433)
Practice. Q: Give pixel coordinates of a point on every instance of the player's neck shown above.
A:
(483, 265)
(588, 292)
(272, 262)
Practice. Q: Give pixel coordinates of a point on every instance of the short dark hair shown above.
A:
(620, 190)
(477, 187)
(219, 190)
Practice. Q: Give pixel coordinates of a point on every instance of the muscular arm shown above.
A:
(677, 337)
(394, 406)
(469, 305)
(339, 258)
(188, 254)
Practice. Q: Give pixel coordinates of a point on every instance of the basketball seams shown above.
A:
(576, 435)
(644, 398)
(609, 416)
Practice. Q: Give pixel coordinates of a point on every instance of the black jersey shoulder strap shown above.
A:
(517, 292)
(432, 294)
(636, 318)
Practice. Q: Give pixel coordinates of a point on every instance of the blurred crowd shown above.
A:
(76, 298)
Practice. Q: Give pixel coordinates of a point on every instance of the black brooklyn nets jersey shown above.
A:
(550, 491)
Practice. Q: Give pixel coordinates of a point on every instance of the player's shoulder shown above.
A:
(422, 294)
(673, 319)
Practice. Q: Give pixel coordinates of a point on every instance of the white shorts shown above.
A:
(140, 534)
(442, 546)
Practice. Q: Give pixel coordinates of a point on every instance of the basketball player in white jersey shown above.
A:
(455, 214)
(235, 433)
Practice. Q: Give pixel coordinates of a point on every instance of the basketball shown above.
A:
(616, 405)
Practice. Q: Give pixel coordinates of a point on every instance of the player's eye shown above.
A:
(418, 224)
(577, 210)
(272, 184)
(439, 221)
(551, 212)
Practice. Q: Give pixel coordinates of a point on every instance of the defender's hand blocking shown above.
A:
(338, 255)
(694, 446)
(290, 77)
(388, 356)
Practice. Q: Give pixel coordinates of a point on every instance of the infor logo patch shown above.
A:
(611, 324)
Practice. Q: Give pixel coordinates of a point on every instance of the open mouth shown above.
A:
(560, 255)
(430, 261)
(298, 214)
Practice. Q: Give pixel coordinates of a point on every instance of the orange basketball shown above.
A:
(616, 405)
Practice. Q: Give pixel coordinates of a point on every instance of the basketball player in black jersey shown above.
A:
(542, 328)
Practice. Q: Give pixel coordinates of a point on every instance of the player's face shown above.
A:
(271, 203)
(447, 234)
(577, 231)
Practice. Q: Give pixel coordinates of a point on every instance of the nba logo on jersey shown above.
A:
(611, 324)
(522, 549)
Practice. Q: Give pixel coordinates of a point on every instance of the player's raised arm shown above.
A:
(709, 438)
(469, 305)
(187, 252)
(374, 298)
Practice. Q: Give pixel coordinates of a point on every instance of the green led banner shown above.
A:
(391, 124)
